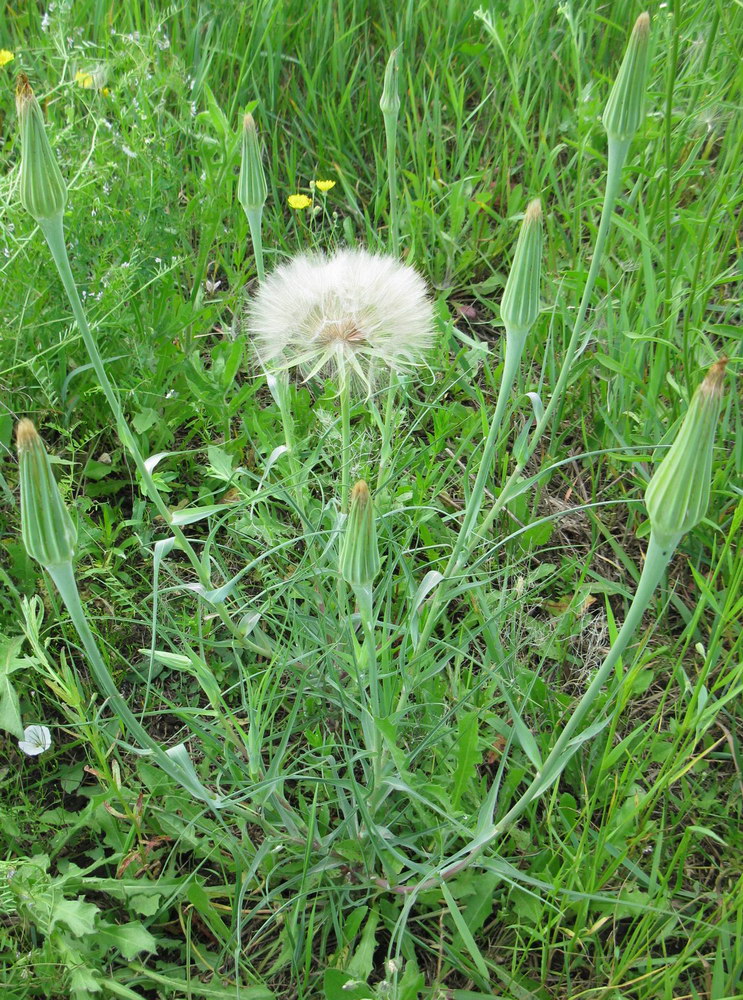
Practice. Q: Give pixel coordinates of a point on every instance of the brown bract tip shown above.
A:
(360, 492)
(715, 377)
(26, 434)
(642, 24)
(23, 92)
(249, 123)
(533, 211)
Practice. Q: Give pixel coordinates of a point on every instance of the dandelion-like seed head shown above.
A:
(345, 314)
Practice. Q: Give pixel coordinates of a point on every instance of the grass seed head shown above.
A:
(677, 496)
(47, 530)
(344, 315)
(252, 189)
(43, 190)
(520, 304)
(625, 108)
(360, 561)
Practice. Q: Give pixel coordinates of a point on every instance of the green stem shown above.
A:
(254, 222)
(458, 557)
(181, 771)
(345, 400)
(656, 560)
(387, 429)
(617, 156)
(390, 131)
(53, 230)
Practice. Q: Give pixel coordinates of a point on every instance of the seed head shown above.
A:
(625, 108)
(677, 496)
(49, 536)
(346, 313)
(360, 561)
(43, 190)
(520, 304)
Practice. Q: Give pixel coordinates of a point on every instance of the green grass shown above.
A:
(623, 881)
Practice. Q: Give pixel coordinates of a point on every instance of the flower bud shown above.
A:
(359, 551)
(48, 533)
(624, 110)
(677, 496)
(252, 190)
(389, 102)
(43, 190)
(520, 303)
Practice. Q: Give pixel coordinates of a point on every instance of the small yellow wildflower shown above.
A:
(299, 201)
(6, 57)
(85, 80)
(106, 92)
(324, 185)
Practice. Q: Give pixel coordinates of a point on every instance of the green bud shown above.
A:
(48, 533)
(43, 190)
(390, 99)
(520, 303)
(359, 551)
(677, 496)
(624, 110)
(252, 190)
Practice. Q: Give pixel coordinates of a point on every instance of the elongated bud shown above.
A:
(677, 496)
(625, 108)
(43, 190)
(390, 99)
(359, 552)
(520, 304)
(252, 189)
(48, 533)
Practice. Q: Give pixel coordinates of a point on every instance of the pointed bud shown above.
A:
(252, 190)
(390, 99)
(48, 533)
(359, 551)
(43, 190)
(625, 108)
(520, 303)
(677, 496)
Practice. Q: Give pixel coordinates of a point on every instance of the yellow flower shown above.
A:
(6, 57)
(324, 185)
(299, 201)
(85, 80)
(106, 92)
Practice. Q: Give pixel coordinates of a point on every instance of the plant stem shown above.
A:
(182, 772)
(617, 156)
(345, 401)
(390, 131)
(53, 230)
(656, 560)
(254, 222)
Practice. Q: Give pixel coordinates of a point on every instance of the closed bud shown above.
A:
(48, 533)
(390, 99)
(359, 551)
(520, 304)
(625, 108)
(252, 190)
(677, 496)
(43, 190)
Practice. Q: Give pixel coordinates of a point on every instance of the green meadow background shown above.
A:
(624, 881)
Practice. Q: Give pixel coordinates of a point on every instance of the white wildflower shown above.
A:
(36, 740)
(344, 313)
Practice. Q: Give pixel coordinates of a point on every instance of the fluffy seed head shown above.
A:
(346, 313)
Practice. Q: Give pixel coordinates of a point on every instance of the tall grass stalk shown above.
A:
(390, 106)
